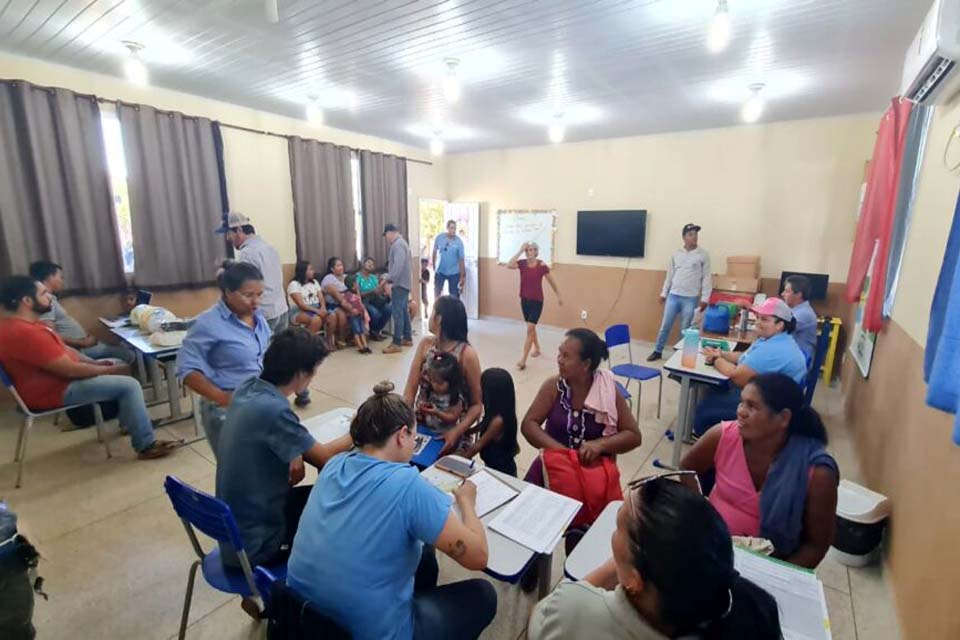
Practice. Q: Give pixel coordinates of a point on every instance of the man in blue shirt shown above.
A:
(225, 346)
(796, 293)
(451, 268)
(263, 446)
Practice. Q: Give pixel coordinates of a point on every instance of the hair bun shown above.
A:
(383, 388)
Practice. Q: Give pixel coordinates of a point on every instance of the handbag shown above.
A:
(595, 486)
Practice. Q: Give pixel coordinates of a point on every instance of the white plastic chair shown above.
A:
(20, 452)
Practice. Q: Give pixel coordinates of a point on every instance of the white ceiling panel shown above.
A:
(611, 67)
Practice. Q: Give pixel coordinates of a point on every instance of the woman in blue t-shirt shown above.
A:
(364, 550)
(775, 351)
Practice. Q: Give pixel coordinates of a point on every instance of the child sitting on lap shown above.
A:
(359, 319)
(443, 405)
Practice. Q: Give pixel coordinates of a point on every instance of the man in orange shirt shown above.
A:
(48, 374)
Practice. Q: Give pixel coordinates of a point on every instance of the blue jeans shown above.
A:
(399, 301)
(716, 407)
(453, 285)
(212, 417)
(685, 306)
(459, 610)
(378, 316)
(356, 325)
(127, 393)
(103, 350)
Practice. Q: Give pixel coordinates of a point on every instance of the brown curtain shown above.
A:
(323, 215)
(384, 180)
(175, 202)
(55, 198)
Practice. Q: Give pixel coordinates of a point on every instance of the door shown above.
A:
(467, 216)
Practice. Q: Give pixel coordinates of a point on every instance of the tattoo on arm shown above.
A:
(458, 549)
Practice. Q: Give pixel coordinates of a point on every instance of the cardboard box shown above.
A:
(729, 282)
(743, 266)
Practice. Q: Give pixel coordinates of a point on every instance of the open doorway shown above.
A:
(434, 214)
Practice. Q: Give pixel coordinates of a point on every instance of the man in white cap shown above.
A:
(253, 249)
(687, 285)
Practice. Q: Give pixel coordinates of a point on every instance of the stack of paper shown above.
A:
(491, 492)
(536, 519)
(803, 607)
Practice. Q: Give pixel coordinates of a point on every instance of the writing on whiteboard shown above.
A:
(516, 227)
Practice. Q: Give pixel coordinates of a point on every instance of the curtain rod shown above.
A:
(262, 132)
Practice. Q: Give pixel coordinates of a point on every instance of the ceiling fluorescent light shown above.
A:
(272, 11)
(557, 131)
(451, 81)
(753, 107)
(133, 66)
(720, 28)
(314, 112)
(436, 144)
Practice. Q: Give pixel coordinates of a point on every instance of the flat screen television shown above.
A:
(818, 283)
(611, 233)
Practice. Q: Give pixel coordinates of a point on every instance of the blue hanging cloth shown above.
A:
(941, 366)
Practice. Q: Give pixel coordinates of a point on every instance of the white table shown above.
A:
(506, 559)
(798, 592)
(330, 425)
(702, 373)
(594, 548)
(731, 344)
(150, 358)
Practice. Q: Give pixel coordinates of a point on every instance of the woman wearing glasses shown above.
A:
(532, 273)
(364, 549)
(773, 476)
(225, 345)
(671, 575)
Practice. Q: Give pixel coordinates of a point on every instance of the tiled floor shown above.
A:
(116, 558)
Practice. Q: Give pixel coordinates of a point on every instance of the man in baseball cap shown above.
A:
(688, 284)
(774, 351)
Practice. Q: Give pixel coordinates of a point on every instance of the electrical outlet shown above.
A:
(583, 314)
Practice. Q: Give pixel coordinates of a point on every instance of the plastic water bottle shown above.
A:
(691, 345)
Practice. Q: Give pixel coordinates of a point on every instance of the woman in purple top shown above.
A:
(557, 418)
(532, 273)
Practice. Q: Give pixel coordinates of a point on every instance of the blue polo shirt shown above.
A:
(451, 253)
(260, 437)
(224, 349)
(806, 332)
(779, 354)
(359, 542)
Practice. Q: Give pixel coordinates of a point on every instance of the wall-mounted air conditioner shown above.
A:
(928, 69)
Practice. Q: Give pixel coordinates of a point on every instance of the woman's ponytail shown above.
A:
(752, 613)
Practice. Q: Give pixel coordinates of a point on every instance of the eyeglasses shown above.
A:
(680, 473)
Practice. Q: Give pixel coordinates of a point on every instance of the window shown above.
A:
(117, 167)
(357, 202)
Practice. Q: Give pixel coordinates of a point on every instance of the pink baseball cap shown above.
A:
(773, 307)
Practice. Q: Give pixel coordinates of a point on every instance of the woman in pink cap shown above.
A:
(775, 351)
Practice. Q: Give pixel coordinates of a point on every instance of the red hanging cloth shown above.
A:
(876, 217)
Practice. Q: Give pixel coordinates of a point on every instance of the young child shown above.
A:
(424, 281)
(443, 405)
(497, 444)
(359, 320)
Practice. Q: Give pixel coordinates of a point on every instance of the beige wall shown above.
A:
(903, 446)
(257, 166)
(786, 191)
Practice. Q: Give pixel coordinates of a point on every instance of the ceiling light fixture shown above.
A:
(557, 130)
(436, 144)
(720, 28)
(272, 11)
(314, 112)
(753, 107)
(133, 66)
(451, 81)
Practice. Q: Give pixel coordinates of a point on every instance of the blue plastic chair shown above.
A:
(617, 335)
(289, 615)
(820, 354)
(20, 451)
(213, 517)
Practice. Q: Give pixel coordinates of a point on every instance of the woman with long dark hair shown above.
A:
(671, 576)
(333, 286)
(308, 309)
(497, 441)
(448, 324)
(773, 476)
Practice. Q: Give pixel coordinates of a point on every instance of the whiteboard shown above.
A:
(516, 227)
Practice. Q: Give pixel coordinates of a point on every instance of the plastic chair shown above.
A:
(20, 451)
(213, 517)
(820, 354)
(617, 335)
(290, 616)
